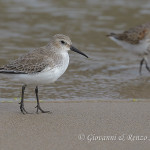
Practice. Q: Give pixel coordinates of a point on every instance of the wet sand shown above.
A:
(76, 125)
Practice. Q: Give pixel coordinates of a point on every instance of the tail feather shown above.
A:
(11, 71)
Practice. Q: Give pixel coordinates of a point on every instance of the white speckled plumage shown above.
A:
(48, 75)
(43, 65)
(135, 40)
(140, 49)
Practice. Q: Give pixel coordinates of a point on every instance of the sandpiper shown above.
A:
(43, 65)
(136, 40)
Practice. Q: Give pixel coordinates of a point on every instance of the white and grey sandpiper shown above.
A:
(43, 65)
(136, 40)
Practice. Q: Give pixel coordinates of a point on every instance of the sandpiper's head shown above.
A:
(63, 43)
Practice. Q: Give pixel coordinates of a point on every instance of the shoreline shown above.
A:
(78, 101)
(71, 124)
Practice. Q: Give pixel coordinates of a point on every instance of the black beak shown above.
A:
(77, 51)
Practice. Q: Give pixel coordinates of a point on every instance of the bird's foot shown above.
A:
(39, 108)
(23, 109)
(147, 67)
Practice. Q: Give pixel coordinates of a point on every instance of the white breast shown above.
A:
(48, 75)
(139, 48)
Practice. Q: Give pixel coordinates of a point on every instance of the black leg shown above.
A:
(22, 101)
(141, 64)
(38, 103)
(146, 65)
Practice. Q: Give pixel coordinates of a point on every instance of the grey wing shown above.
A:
(26, 64)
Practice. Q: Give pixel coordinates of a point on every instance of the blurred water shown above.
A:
(109, 73)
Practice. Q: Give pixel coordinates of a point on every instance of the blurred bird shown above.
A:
(136, 40)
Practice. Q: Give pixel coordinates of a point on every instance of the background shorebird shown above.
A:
(136, 40)
(43, 65)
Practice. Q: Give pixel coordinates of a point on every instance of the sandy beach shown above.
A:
(114, 125)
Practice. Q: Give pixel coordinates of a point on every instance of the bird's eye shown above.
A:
(62, 42)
